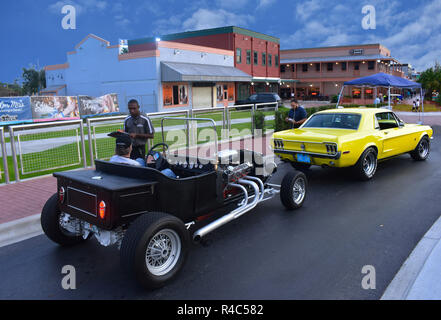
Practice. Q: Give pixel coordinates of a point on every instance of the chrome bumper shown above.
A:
(311, 154)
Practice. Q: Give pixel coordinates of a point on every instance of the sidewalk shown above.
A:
(419, 276)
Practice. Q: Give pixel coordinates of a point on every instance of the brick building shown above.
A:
(254, 53)
(319, 73)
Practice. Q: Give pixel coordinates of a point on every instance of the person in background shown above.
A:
(297, 115)
(377, 101)
(414, 108)
(140, 128)
(418, 105)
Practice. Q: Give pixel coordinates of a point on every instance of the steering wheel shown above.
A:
(160, 162)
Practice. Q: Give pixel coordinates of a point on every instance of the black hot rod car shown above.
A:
(152, 217)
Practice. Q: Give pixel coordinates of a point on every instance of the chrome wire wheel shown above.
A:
(299, 190)
(163, 252)
(369, 164)
(423, 148)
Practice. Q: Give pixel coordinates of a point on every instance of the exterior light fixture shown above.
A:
(157, 39)
(336, 63)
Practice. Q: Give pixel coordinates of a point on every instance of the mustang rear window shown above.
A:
(334, 120)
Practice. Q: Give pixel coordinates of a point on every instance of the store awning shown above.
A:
(192, 72)
(336, 59)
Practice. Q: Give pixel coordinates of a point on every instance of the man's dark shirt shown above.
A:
(139, 125)
(297, 114)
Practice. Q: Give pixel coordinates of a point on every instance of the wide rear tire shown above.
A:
(293, 190)
(422, 150)
(50, 223)
(155, 248)
(366, 166)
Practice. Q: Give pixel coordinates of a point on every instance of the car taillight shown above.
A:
(102, 209)
(61, 194)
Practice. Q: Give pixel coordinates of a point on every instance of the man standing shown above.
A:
(140, 129)
(297, 115)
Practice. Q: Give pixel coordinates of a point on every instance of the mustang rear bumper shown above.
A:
(311, 154)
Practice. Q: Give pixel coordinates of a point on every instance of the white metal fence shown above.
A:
(44, 147)
(4, 172)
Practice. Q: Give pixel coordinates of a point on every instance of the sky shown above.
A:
(32, 33)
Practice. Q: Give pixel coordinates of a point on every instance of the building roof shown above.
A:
(337, 58)
(205, 32)
(179, 72)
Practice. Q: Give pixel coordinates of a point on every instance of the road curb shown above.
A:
(404, 280)
(21, 229)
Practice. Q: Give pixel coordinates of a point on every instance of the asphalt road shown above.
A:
(317, 252)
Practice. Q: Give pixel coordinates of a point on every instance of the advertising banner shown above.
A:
(54, 108)
(104, 105)
(15, 110)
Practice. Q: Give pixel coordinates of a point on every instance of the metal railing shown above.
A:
(42, 147)
(100, 149)
(4, 170)
(47, 146)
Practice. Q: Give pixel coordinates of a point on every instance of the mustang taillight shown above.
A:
(102, 209)
(61, 194)
(278, 144)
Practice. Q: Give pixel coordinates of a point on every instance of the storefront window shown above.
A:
(317, 67)
(343, 66)
(371, 65)
(356, 93)
(225, 91)
(175, 94)
(305, 67)
(330, 66)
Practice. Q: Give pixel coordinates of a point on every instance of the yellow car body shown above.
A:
(342, 145)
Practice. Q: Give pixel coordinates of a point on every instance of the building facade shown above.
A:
(319, 73)
(162, 76)
(255, 53)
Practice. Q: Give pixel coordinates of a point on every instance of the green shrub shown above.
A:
(279, 122)
(334, 99)
(259, 121)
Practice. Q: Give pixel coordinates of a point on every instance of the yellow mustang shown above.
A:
(356, 137)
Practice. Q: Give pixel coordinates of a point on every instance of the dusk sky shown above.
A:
(32, 32)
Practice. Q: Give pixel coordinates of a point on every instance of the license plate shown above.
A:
(303, 158)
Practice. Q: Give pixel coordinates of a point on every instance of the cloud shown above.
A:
(205, 19)
(265, 3)
(81, 6)
(228, 4)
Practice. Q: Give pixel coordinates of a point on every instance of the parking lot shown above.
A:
(317, 252)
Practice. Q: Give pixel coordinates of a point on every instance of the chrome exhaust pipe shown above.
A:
(244, 208)
(262, 187)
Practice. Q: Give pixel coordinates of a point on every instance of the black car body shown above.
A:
(152, 217)
(263, 97)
